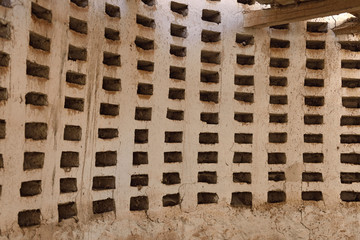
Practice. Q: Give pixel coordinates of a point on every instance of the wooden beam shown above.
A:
(300, 12)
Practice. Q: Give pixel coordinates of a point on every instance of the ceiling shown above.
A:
(282, 2)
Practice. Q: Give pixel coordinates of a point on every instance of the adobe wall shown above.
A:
(128, 120)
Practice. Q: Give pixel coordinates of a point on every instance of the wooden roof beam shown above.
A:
(299, 12)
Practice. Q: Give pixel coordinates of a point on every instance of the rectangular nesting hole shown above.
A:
(172, 157)
(171, 178)
(141, 136)
(208, 138)
(150, 3)
(242, 177)
(244, 39)
(143, 114)
(30, 188)
(177, 115)
(178, 73)
(210, 118)
(41, 12)
(277, 137)
(350, 121)
(312, 177)
(144, 43)
(280, 27)
(244, 97)
(313, 138)
(179, 8)
(145, 21)
(108, 133)
(313, 119)
(80, 3)
(276, 158)
(243, 138)
(33, 160)
(242, 80)
(315, 45)
(317, 27)
(242, 157)
(1, 161)
(315, 64)
(349, 177)
(67, 210)
(176, 94)
(278, 81)
(276, 197)
(111, 84)
(36, 130)
(139, 180)
(5, 30)
(112, 10)
(37, 70)
(178, 51)
(4, 59)
(314, 101)
(105, 159)
(279, 62)
(140, 203)
(68, 185)
(178, 30)
(278, 118)
(350, 196)
(103, 206)
(351, 102)
(207, 157)
(245, 60)
(108, 109)
(241, 199)
(39, 42)
(210, 57)
(209, 76)
(3, 94)
(145, 66)
(69, 159)
(349, 138)
(29, 218)
(312, 196)
(75, 78)
(207, 198)
(111, 59)
(313, 82)
(103, 183)
(170, 200)
(78, 25)
(207, 96)
(77, 53)
(279, 43)
(207, 177)
(247, 2)
(353, 46)
(350, 158)
(350, 64)
(244, 117)
(72, 133)
(210, 36)
(173, 137)
(278, 99)
(112, 34)
(350, 83)
(211, 16)
(76, 104)
(140, 158)
(313, 157)
(6, 3)
(2, 129)
(276, 176)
